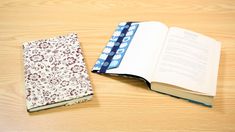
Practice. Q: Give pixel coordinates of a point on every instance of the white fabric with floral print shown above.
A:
(54, 71)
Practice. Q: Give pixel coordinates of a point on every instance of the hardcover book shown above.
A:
(55, 73)
(171, 60)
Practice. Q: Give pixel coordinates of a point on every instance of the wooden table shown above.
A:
(119, 104)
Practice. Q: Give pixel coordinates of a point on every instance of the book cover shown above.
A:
(55, 73)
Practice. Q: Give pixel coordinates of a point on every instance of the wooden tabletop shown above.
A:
(119, 104)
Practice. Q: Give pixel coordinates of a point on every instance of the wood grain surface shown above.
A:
(119, 104)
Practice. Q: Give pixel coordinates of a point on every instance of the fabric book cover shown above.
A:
(55, 73)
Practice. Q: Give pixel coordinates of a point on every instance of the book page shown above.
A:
(144, 48)
(189, 60)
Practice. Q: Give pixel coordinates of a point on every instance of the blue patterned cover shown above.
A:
(117, 58)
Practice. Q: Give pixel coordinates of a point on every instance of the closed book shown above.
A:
(55, 73)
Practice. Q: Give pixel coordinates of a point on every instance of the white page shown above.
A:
(189, 60)
(143, 49)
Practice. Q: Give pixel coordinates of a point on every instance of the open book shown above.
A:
(172, 60)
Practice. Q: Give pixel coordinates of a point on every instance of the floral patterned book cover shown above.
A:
(55, 73)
